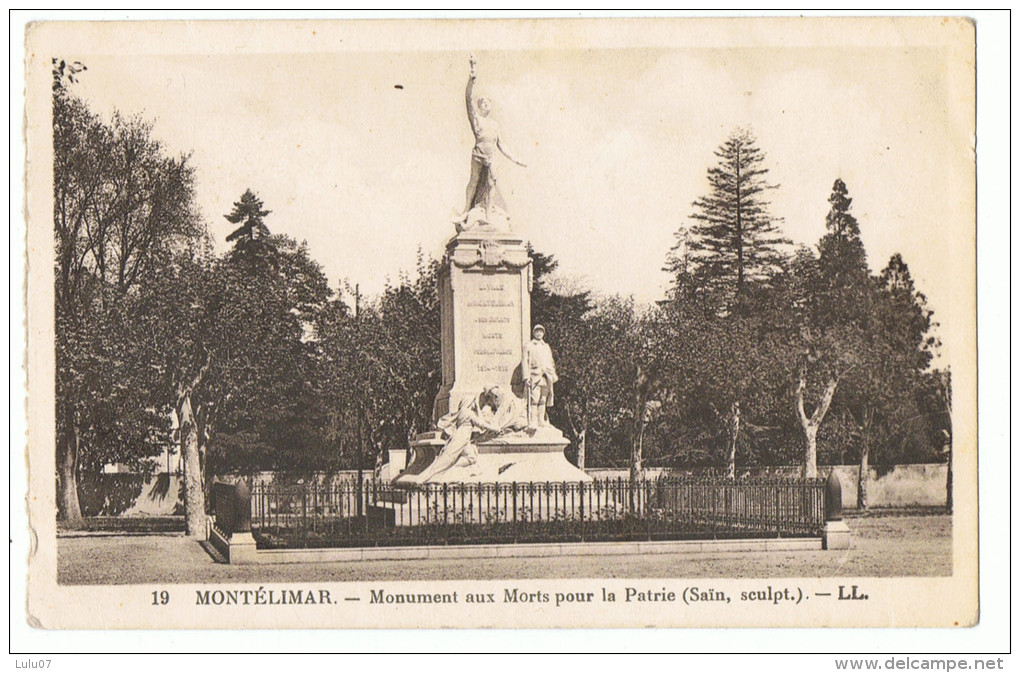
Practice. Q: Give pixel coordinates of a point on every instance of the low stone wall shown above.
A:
(130, 495)
(888, 486)
(490, 551)
(901, 486)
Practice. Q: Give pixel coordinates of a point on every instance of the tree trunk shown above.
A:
(731, 463)
(862, 478)
(949, 477)
(810, 424)
(810, 470)
(203, 417)
(635, 466)
(194, 493)
(863, 473)
(635, 454)
(67, 463)
(581, 437)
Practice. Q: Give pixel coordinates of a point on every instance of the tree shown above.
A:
(944, 386)
(261, 400)
(832, 335)
(380, 366)
(122, 208)
(593, 354)
(725, 373)
(230, 341)
(863, 344)
(253, 236)
(723, 267)
(734, 241)
(176, 318)
(885, 389)
(647, 384)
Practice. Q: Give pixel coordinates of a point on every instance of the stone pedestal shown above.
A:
(836, 535)
(237, 549)
(485, 308)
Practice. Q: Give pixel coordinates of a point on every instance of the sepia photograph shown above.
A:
(505, 323)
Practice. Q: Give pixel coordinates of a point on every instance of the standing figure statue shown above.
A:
(482, 190)
(541, 373)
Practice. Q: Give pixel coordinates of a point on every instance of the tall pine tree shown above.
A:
(734, 241)
(253, 237)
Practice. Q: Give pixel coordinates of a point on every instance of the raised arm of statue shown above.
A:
(469, 98)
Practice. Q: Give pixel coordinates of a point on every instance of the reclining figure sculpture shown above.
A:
(494, 412)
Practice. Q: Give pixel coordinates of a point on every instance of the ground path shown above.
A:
(882, 546)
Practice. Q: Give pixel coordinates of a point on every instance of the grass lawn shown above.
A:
(882, 546)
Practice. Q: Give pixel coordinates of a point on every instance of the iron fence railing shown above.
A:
(374, 513)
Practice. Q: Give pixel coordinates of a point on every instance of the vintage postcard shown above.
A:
(502, 323)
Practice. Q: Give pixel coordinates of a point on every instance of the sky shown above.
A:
(365, 154)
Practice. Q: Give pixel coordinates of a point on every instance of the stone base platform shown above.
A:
(550, 550)
(518, 457)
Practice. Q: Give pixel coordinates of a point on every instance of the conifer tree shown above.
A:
(734, 240)
(253, 235)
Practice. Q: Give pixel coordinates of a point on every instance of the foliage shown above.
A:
(734, 241)
(122, 207)
(252, 240)
(380, 368)
(594, 352)
(727, 378)
(247, 325)
(271, 370)
(869, 335)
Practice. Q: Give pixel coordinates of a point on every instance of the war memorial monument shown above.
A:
(492, 468)
(498, 373)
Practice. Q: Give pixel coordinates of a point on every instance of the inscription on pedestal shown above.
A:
(491, 323)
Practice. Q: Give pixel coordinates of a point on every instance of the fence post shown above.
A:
(242, 507)
(778, 499)
(445, 507)
(645, 510)
(363, 506)
(239, 546)
(728, 496)
(358, 494)
(580, 488)
(836, 534)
